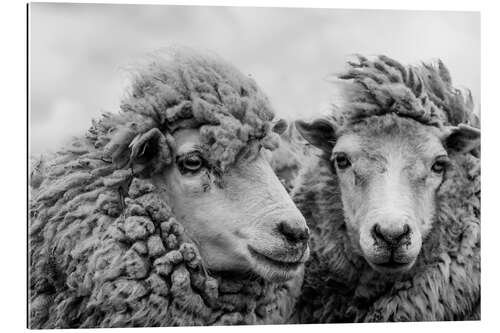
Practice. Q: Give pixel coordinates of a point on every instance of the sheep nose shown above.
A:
(393, 236)
(294, 232)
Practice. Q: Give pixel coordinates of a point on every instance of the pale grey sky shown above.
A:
(78, 52)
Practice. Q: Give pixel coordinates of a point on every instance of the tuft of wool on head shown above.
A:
(425, 93)
(104, 249)
(180, 88)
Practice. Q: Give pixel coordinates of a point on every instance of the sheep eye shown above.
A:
(192, 162)
(342, 161)
(440, 164)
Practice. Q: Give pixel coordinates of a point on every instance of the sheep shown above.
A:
(167, 213)
(392, 199)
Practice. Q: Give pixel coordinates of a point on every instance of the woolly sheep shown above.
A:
(167, 213)
(393, 202)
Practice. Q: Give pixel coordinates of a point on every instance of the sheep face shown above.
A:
(242, 220)
(389, 170)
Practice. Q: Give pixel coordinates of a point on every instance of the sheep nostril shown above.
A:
(293, 234)
(392, 237)
(406, 231)
(377, 233)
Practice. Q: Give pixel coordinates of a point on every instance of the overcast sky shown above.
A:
(78, 52)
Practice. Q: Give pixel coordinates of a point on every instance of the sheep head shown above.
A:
(199, 129)
(389, 147)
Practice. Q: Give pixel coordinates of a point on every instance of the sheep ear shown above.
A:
(280, 126)
(462, 138)
(321, 133)
(150, 150)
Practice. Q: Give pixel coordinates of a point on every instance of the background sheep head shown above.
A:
(390, 146)
(198, 128)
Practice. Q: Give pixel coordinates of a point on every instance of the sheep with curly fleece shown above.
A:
(167, 213)
(393, 201)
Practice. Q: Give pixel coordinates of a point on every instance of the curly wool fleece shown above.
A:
(444, 284)
(374, 87)
(104, 249)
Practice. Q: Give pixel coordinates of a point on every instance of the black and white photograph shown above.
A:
(204, 165)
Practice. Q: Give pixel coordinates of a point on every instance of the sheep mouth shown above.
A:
(392, 266)
(275, 269)
(390, 261)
